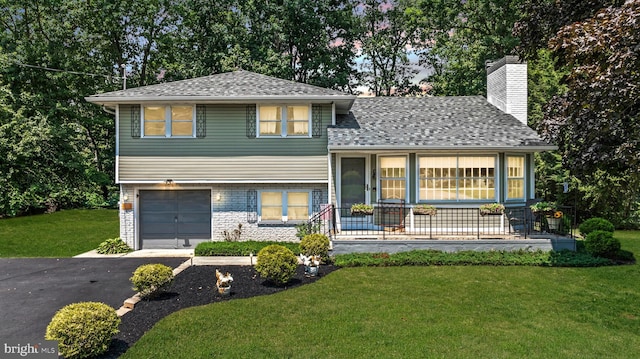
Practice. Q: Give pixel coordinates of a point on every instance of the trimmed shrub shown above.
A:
(602, 244)
(113, 246)
(149, 279)
(315, 245)
(277, 264)
(243, 248)
(83, 329)
(595, 224)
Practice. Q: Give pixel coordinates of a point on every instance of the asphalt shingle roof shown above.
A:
(429, 122)
(229, 84)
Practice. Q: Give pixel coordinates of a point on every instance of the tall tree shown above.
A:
(463, 35)
(389, 35)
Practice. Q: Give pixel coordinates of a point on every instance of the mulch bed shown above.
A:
(196, 285)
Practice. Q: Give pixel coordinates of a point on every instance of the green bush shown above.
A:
(277, 264)
(83, 329)
(113, 246)
(315, 245)
(595, 224)
(602, 244)
(243, 248)
(151, 278)
(494, 258)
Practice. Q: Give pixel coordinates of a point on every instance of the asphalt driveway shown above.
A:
(33, 289)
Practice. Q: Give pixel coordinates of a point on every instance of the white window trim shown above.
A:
(506, 177)
(285, 207)
(283, 121)
(167, 120)
(496, 177)
(379, 175)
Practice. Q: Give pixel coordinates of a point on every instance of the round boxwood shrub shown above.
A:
(83, 329)
(113, 246)
(277, 264)
(595, 224)
(602, 244)
(151, 278)
(315, 244)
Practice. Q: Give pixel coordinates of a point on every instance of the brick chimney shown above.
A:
(507, 86)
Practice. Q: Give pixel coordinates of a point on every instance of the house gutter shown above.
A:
(452, 148)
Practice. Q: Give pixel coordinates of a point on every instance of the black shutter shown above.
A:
(316, 120)
(252, 206)
(316, 200)
(201, 121)
(135, 121)
(251, 121)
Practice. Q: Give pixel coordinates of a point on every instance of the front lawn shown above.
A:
(60, 234)
(439, 312)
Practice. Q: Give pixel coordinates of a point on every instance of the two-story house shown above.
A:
(198, 157)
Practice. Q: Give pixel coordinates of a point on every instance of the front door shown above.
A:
(353, 182)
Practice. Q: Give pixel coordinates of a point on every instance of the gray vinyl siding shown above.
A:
(226, 135)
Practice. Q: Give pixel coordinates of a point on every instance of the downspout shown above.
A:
(111, 111)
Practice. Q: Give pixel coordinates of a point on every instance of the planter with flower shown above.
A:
(550, 211)
(311, 265)
(424, 210)
(223, 282)
(491, 209)
(361, 209)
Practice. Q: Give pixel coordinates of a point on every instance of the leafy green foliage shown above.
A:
(595, 224)
(113, 246)
(602, 244)
(315, 245)
(494, 258)
(84, 329)
(277, 264)
(149, 279)
(243, 248)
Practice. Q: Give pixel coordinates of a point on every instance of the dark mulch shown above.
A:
(197, 286)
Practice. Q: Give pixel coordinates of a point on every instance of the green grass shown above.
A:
(433, 312)
(60, 234)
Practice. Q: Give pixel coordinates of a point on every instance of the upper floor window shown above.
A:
(445, 178)
(168, 121)
(284, 121)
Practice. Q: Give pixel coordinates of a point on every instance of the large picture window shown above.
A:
(456, 178)
(284, 206)
(515, 177)
(289, 121)
(168, 121)
(393, 177)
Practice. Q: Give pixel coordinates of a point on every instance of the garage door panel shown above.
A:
(159, 210)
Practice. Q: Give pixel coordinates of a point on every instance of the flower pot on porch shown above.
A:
(554, 223)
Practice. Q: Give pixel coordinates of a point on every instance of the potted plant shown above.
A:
(425, 209)
(361, 209)
(223, 282)
(491, 209)
(551, 211)
(311, 264)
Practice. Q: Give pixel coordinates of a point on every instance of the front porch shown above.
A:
(395, 228)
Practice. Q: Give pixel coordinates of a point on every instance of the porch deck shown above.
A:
(396, 228)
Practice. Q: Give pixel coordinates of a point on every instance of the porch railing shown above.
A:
(389, 220)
